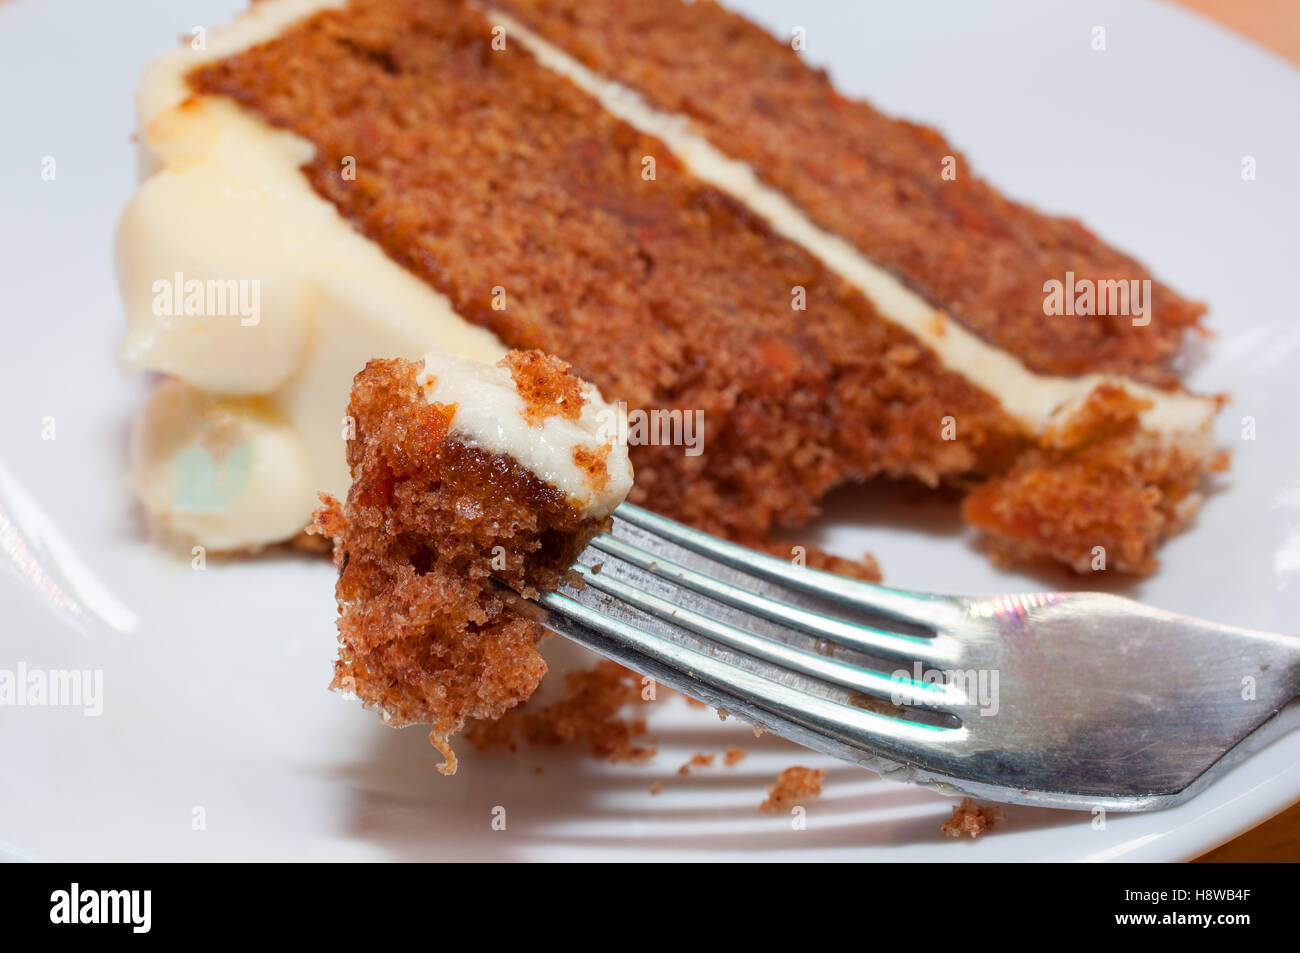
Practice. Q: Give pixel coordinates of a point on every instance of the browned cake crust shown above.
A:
(424, 635)
(478, 169)
(872, 179)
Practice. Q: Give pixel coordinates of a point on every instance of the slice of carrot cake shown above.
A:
(672, 201)
(462, 473)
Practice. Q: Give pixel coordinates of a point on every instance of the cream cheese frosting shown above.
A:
(227, 205)
(491, 414)
(211, 469)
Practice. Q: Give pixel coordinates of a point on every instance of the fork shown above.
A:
(1065, 700)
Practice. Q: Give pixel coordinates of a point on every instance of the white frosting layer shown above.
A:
(490, 414)
(1036, 400)
(210, 469)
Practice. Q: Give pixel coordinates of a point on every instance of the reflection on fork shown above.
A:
(1071, 700)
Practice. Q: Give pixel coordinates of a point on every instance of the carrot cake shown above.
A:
(671, 200)
(462, 473)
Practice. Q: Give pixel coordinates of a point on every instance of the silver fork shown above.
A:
(1067, 700)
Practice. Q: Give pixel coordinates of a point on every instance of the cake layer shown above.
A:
(877, 181)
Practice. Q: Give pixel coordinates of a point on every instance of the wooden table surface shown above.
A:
(1271, 23)
(1276, 25)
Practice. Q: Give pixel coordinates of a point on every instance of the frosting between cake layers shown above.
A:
(490, 414)
(1037, 401)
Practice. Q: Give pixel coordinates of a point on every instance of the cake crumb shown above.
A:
(939, 323)
(591, 461)
(698, 760)
(969, 818)
(656, 788)
(792, 786)
(814, 557)
(449, 762)
(546, 384)
(589, 713)
(733, 756)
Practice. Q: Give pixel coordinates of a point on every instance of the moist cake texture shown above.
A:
(431, 518)
(873, 179)
(538, 212)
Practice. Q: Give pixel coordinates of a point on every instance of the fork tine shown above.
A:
(854, 635)
(918, 608)
(818, 722)
(900, 691)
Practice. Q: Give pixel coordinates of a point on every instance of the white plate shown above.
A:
(214, 682)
